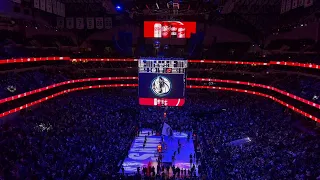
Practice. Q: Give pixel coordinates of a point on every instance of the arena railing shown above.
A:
(39, 59)
(15, 97)
(136, 85)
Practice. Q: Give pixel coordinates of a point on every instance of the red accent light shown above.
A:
(37, 59)
(62, 83)
(189, 79)
(136, 85)
(258, 85)
(283, 63)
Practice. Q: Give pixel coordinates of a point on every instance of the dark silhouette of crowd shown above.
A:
(75, 136)
(84, 135)
(87, 134)
(277, 149)
(13, 83)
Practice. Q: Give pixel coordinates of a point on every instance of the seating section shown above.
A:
(86, 135)
(302, 86)
(28, 80)
(240, 130)
(274, 146)
(71, 151)
(290, 45)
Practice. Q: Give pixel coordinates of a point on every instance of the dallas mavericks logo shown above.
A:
(161, 86)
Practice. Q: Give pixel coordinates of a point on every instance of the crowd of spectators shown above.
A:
(73, 137)
(85, 135)
(276, 149)
(13, 83)
(302, 86)
(299, 84)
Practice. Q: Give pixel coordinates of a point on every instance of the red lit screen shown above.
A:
(169, 29)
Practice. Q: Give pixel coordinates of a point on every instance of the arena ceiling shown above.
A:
(255, 18)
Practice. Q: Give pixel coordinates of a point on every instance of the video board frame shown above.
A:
(162, 81)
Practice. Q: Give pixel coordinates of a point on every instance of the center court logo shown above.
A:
(161, 86)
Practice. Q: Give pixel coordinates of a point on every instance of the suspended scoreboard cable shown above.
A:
(162, 81)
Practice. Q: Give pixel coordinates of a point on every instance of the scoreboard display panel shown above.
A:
(162, 82)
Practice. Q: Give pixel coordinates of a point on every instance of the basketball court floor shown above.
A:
(140, 156)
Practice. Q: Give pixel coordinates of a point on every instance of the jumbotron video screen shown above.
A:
(169, 29)
(162, 82)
